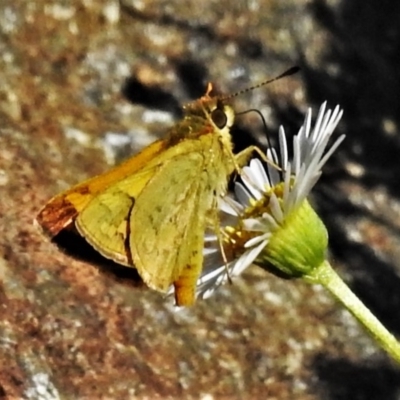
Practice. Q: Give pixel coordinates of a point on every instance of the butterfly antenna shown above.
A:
(288, 72)
(259, 113)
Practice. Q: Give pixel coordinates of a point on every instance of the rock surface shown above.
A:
(84, 84)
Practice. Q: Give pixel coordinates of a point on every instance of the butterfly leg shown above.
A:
(243, 157)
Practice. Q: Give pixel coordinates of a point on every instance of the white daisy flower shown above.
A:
(271, 210)
(272, 224)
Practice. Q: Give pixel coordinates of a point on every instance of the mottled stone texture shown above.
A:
(84, 84)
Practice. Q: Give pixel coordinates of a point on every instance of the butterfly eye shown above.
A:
(219, 118)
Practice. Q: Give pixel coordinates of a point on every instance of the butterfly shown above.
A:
(151, 211)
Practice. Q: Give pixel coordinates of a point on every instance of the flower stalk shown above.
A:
(331, 281)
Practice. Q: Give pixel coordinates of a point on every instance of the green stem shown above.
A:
(327, 277)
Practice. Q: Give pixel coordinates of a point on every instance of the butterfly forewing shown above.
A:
(171, 218)
(150, 212)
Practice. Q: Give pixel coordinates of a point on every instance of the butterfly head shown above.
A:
(214, 109)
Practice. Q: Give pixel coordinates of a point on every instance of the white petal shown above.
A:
(249, 180)
(269, 222)
(283, 148)
(276, 209)
(260, 176)
(230, 206)
(242, 194)
(272, 172)
(253, 225)
(318, 122)
(332, 149)
(209, 252)
(250, 256)
(240, 265)
(297, 155)
(255, 240)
